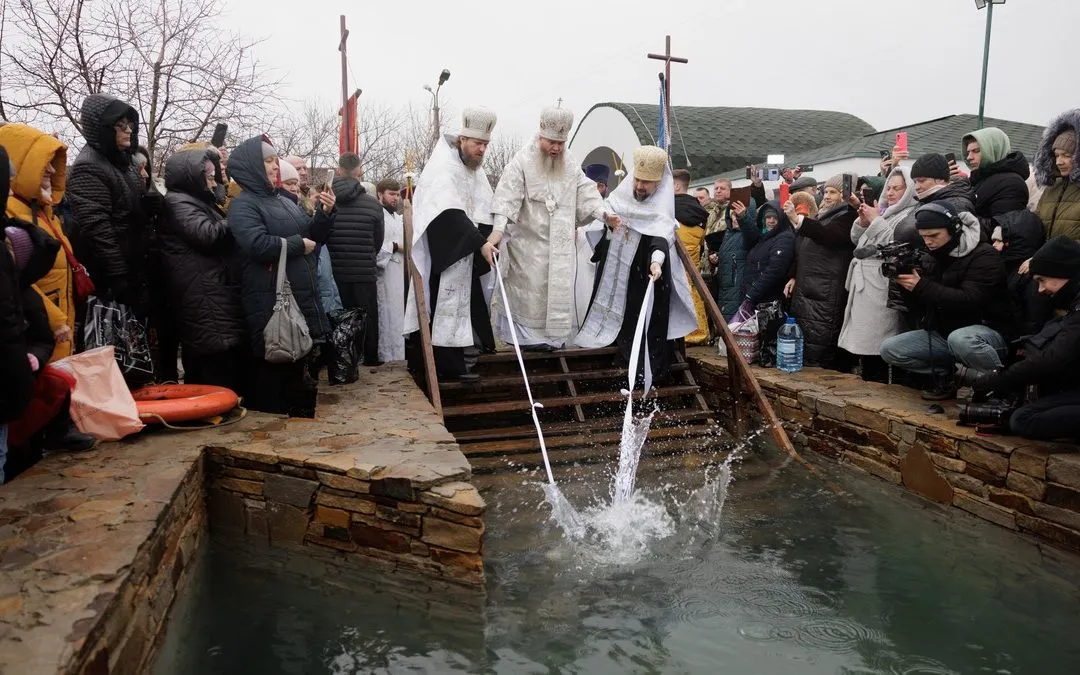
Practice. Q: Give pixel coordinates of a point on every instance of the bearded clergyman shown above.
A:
(542, 198)
(640, 248)
(453, 199)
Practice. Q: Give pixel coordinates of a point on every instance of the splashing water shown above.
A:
(634, 434)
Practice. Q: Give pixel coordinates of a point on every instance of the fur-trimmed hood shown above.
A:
(1046, 172)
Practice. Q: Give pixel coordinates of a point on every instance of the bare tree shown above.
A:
(169, 58)
(499, 153)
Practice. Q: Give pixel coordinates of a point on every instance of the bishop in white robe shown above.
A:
(542, 198)
(453, 197)
(642, 247)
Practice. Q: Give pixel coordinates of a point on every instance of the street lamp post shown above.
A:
(443, 77)
(989, 6)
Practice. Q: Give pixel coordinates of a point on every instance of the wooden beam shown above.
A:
(422, 314)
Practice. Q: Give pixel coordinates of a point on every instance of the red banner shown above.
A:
(349, 138)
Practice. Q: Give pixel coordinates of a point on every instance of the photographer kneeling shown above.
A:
(955, 295)
(1051, 358)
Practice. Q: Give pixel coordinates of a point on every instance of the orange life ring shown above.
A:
(183, 402)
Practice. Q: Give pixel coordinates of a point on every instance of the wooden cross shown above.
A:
(560, 102)
(667, 58)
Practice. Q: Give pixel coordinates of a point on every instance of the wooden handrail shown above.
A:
(423, 319)
(736, 363)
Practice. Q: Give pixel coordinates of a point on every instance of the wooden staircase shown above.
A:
(582, 414)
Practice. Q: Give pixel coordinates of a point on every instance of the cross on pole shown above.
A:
(667, 58)
(560, 102)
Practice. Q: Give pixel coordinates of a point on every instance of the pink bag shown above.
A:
(101, 404)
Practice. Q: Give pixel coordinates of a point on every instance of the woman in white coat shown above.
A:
(867, 319)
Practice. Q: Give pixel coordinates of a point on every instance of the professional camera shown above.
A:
(898, 258)
(992, 414)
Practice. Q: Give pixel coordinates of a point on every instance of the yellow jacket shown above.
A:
(30, 151)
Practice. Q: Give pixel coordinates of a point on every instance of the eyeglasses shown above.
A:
(124, 125)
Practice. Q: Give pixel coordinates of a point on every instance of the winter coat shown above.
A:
(104, 187)
(15, 370)
(358, 233)
(731, 244)
(1000, 188)
(31, 150)
(1051, 357)
(963, 288)
(1059, 206)
(200, 260)
(867, 319)
(259, 220)
(768, 262)
(823, 251)
(956, 196)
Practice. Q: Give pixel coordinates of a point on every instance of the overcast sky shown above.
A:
(889, 62)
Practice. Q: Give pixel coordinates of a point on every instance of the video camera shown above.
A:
(898, 258)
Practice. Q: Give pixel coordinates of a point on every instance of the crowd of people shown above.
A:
(960, 285)
(919, 275)
(193, 258)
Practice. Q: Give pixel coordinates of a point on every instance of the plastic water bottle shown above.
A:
(789, 347)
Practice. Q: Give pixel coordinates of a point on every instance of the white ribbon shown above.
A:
(640, 338)
(533, 405)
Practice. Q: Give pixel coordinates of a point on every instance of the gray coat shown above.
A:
(867, 319)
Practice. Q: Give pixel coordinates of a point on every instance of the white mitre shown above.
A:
(477, 123)
(555, 124)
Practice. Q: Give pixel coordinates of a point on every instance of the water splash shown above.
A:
(634, 434)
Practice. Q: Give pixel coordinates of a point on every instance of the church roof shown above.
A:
(942, 135)
(719, 139)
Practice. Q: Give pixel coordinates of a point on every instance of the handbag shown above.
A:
(81, 281)
(286, 338)
(101, 403)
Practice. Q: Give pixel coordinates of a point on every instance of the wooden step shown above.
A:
(499, 382)
(591, 455)
(562, 402)
(524, 445)
(664, 417)
(509, 355)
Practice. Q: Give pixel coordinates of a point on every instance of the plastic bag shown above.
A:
(111, 324)
(744, 328)
(344, 345)
(770, 317)
(101, 404)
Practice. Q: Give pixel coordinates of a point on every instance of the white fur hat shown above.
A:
(649, 163)
(477, 123)
(555, 124)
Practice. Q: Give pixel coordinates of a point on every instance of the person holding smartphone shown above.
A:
(823, 251)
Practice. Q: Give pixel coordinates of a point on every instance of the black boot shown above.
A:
(62, 436)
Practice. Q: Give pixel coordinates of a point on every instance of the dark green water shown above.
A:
(791, 580)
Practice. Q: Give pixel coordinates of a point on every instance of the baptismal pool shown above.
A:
(788, 579)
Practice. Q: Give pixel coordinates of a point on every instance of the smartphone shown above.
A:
(847, 186)
(950, 157)
(218, 139)
(886, 154)
(806, 168)
(785, 193)
(749, 173)
(901, 141)
(329, 179)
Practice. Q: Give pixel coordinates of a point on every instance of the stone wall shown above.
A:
(1026, 486)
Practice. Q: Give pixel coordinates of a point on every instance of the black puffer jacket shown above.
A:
(200, 260)
(358, 233)
(15, 370)
(767, 264)
(823, 252)
(1000, 188)
(104, 188)
(956, 196)
(259, 220)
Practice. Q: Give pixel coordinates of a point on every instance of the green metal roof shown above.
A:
(942, 135)
(723, 139)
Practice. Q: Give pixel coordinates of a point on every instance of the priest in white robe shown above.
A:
(391, 274)
(453, 197)
(542, 198)
(587, 239)
(628, 256)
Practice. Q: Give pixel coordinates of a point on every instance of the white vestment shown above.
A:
(654, 217)
(446, 183)
(538, 255)
(391, 290)
(585, 276)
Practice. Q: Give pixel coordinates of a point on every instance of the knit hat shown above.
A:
(288, 172)
(933, 219)
(837, 182)
(1058, 258)
(477, 123)
(932, 165)
(22, 247)
(1066, 142)
(555, 124)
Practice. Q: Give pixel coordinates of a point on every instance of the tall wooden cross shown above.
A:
(667, 58)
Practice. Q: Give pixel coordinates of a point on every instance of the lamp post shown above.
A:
(443, 77)
(989, 6)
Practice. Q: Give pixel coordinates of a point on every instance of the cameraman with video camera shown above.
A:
(956, 294)
(1051, 359)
